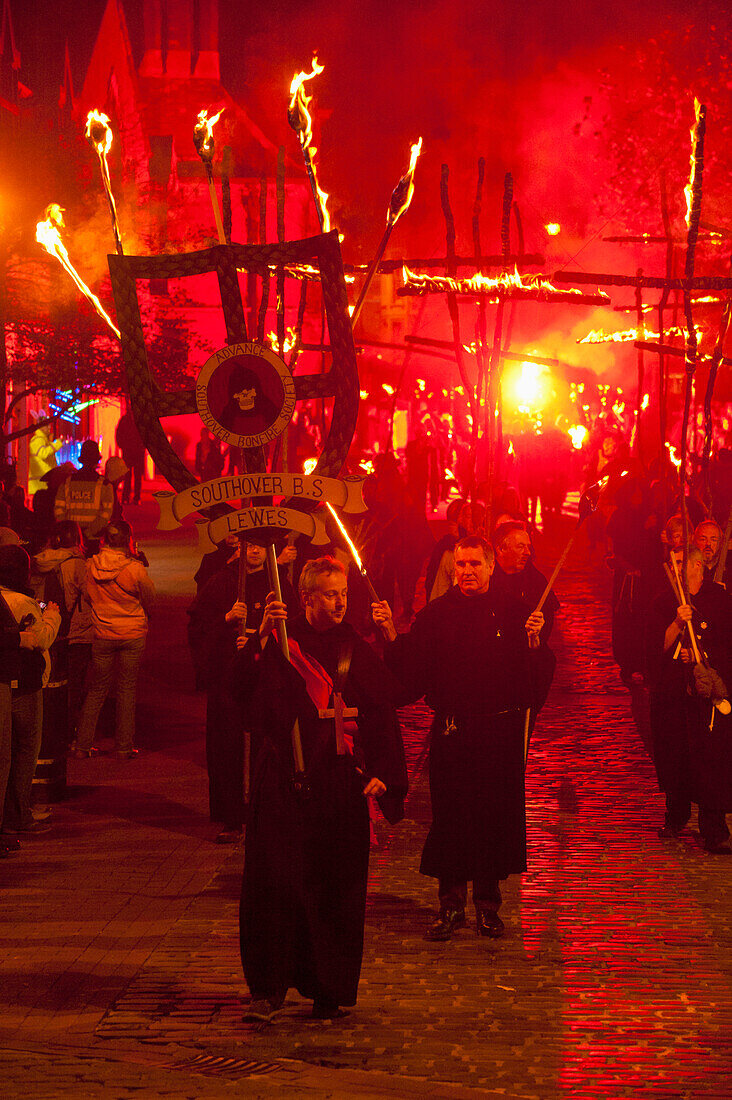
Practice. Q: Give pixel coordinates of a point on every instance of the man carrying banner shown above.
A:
(215, 621)
(306, 862)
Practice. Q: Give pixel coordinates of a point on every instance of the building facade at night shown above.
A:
(160, 189)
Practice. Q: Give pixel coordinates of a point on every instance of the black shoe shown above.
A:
(447, 922)
(32, 829)
(9, 846)
(489, 924)
(717, 847)
(327, 1010)
(82, 754)
(229, 836)
(669, 832)
(262, 1011)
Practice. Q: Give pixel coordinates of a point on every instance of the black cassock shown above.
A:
(519, 593)
(213, 647)
(306, 859)
(690, 759)
(469, 657)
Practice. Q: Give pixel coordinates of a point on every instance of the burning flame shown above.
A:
(528, 386)
(401, 196)
(553, 229)
(290, 341)
(689, 189)
(304, 272)
(301, 122)
(309, 465)
(203, 134)
(47, 235)
(628, 335)
(534, 287)
(99, 132)
(646, 401)
(346, 536)
(297, 112)
(673, 455)
(578, 434)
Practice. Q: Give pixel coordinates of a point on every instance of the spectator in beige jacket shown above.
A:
(121, 595)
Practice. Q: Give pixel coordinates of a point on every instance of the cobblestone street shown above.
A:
(120, 975)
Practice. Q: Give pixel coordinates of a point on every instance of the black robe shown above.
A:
(471, 662)
(306, 862)
(691, 759)
(518, 594)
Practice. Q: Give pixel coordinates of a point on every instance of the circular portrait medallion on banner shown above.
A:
(245, 395)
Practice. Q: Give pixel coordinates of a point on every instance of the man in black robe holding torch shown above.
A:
(306, 860)
(518, 582)
(470, 658)
(691, 737)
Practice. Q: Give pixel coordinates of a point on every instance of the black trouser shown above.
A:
(79, 659)
(453, 893)
(135, 467)
(712, 822)
(225, 756)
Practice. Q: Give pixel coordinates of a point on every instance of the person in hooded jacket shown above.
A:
(37, 629)
(121, 595)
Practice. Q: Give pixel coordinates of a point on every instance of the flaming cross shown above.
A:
(536, 288)
(399, 203)
(301, 122)
(49, 237)
(99, 134)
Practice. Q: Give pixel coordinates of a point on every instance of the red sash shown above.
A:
(319, 686)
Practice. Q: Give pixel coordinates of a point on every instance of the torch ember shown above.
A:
(301, 121)
(205, 147)
(203, 135)
(99, 134)
(354, 552)
(401, 196)
(47, 235)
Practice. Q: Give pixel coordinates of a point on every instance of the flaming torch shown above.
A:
(204, 143)
(693, 193)
(354, 553)
(399, 203)
(99, 134)
(301, 122)
(47, 235)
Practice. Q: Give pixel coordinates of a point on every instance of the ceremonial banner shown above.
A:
(270, 519)
(347, 494)
(245, 394)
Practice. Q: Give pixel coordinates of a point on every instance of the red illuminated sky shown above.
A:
(506, 80)
(521, 84)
